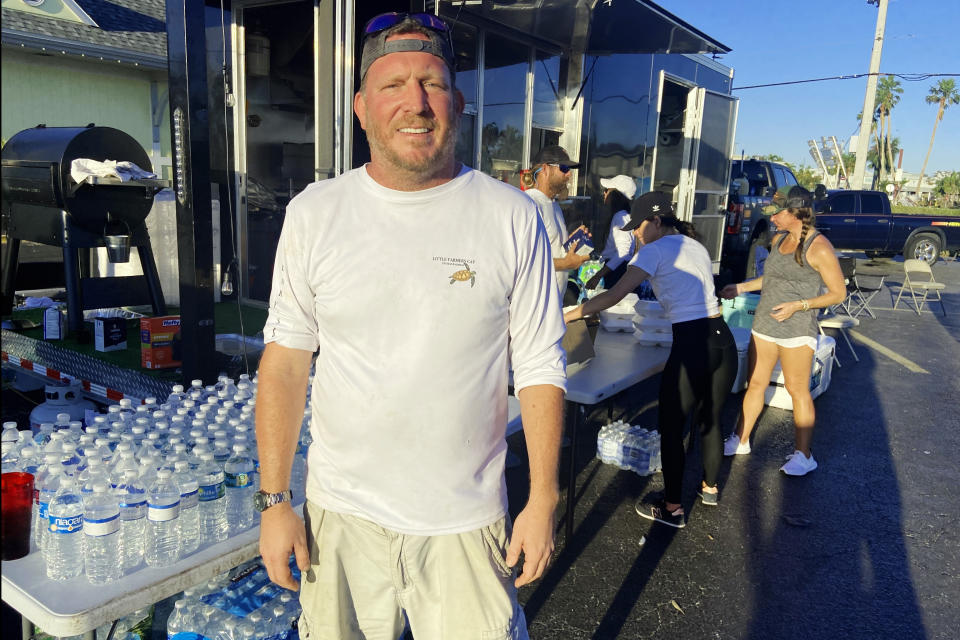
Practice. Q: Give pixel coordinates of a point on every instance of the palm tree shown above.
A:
(888, 95)
(943, 94)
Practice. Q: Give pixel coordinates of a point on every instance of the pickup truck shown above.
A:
(752, 185)
(862, 221)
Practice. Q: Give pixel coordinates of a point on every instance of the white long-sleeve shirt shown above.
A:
(416, 302)
(619, 246)
(556, 226)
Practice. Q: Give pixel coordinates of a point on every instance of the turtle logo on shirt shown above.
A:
(463, 275)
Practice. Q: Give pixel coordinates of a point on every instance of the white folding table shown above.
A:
(620, 362)
(77, 607)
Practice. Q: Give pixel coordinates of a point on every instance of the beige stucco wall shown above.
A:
(58, 90)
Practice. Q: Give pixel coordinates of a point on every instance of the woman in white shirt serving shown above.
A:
(702, 364)
(618, 191)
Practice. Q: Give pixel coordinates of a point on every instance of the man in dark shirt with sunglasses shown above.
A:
(406, 501)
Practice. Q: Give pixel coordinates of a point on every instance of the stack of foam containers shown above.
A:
(776, 394)
(619, 317)
(651, 325)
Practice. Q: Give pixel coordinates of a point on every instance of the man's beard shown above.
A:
(418, 165)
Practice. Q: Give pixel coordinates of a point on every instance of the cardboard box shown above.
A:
(160, 342)
(110, 334)
(54, 324)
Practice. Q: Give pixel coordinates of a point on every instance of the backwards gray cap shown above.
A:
(376, 46)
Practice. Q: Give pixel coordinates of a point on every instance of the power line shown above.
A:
(908, 77)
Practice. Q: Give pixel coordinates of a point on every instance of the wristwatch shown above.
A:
(263, 500)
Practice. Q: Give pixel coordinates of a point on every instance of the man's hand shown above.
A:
(281, 532)
(533, 535)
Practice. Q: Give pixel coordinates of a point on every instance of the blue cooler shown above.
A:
(739, 311)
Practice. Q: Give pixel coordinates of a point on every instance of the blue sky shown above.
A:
(779, 40)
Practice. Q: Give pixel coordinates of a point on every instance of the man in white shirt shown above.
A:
(406, 499)
(550, 174)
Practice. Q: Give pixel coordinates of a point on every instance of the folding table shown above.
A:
(77, 607)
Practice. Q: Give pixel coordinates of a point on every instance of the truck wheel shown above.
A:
(923, 246)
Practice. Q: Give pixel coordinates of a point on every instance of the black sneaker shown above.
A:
(658, 511)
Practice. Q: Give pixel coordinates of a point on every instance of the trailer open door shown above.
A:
(705, 184)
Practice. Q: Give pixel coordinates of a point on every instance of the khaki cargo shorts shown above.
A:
(365, 582)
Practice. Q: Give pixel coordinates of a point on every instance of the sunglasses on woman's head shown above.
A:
(383, 21)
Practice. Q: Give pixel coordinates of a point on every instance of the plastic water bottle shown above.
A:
(213, 502)
(177, 396)
(162, 540)
(103, 551)
(221, 451)
(69, 459)
(10, 436)
(46, 485)
(180, 620)
(64, 545)
(189, 506)
(238, 475)
(94, 473)
(133, 514)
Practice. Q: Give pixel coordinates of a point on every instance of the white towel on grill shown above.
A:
(83, 169)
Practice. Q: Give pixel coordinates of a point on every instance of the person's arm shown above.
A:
(630, 281)
(541, 410)
(281, 395)
(594, 281)
(823, 258)
(733, 290)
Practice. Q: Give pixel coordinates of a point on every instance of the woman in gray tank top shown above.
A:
(800, 264)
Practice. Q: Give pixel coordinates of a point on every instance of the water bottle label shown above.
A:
(69, 524)
(103, 527)
(163, 512)
(43, 510)
(188, 500)
(238, 480)
(211, 492)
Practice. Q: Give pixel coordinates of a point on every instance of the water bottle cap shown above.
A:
(163, 474)
(142, 422)
(63, 417)
(126, 402)
(220, 443)
(179, 604)
(51, 457)
(138, 429)
(100, 487)
(201, 440)
(178, 388)
(93, 461)
(130, 473)
(240, 448)
(76, 424)
(206, 456)
(181, 465)
(196, 383)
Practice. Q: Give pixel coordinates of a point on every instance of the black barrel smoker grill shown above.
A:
(45, 205)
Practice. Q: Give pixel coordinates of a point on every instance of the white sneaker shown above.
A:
(733, 447)
(799, 464)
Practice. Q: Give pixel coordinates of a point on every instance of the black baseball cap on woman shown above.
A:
(647, 206)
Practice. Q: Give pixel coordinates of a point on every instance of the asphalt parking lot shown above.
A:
(866, 546)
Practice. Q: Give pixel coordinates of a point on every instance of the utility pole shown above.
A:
(866, 119)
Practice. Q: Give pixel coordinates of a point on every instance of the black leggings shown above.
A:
(696, 380)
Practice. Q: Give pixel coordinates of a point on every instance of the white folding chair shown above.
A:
(841, 324)
(918, 278)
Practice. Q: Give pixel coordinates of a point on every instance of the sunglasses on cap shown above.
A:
(383, 21)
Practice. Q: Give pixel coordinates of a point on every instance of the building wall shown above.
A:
(59, 91)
